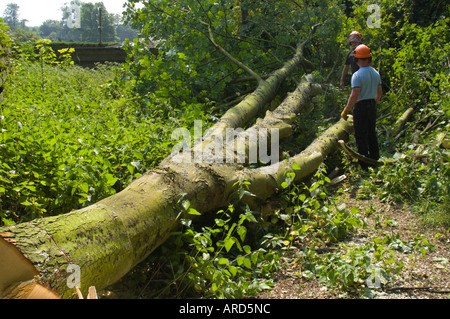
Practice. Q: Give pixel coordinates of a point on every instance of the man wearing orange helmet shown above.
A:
(354, 39)
(366, 93)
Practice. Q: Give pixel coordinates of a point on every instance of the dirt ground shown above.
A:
(423, 277)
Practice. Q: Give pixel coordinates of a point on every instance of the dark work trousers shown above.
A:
(364, 122)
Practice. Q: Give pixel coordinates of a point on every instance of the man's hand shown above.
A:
(351, 102)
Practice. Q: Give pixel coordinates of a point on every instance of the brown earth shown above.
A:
(423, 276)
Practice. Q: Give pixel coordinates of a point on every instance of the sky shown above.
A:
(37, 11)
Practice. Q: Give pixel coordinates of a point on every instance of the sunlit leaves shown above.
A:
(260, 34)
(77, 141)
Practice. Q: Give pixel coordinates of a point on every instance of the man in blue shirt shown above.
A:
(366, 93)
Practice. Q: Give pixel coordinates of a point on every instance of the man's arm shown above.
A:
(379, 94)
(351, 102)
(344, 73)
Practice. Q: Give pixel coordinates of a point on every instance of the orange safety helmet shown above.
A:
(362, 51)
(355, 36)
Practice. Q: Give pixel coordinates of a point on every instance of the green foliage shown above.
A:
(90, 17)
(49, 164)
(312, 214)
(420, 68)
(412, 60)
(360, 267)
(422, 182)
(163, 88)
(5, 52)
(72, 136)
(261, 35)
(317, 226)
(221, 263)
(47, 56)
(215, 260)
(218, 261)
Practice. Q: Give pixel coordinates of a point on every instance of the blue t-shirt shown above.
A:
(368, 80)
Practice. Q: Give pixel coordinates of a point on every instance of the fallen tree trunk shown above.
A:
(400, 123)
(97, 245)
(358, 156)
(254, 103)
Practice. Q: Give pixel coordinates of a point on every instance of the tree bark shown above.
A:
(400, 123)
(253, 104)
(354, 154)
(109, 238)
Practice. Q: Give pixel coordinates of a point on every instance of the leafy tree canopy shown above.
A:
(259, 34)
(11, 15)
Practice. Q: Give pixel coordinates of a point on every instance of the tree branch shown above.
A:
(230, 57)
